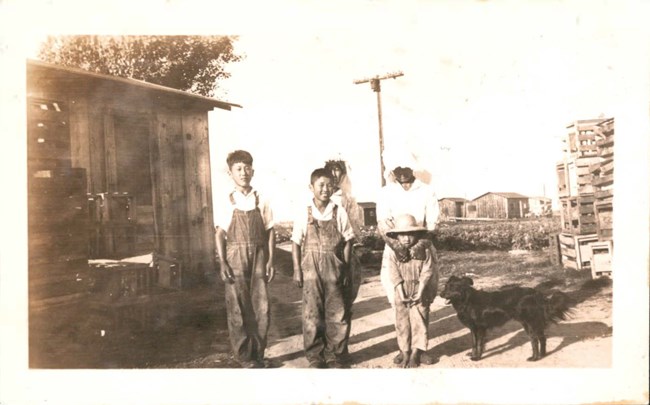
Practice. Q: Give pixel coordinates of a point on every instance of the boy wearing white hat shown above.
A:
(404, 194)
(415, 283)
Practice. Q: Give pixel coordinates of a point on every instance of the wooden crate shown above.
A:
(52, 280)
(580, 140)
(576, 253)
(579, 175)
(604, 224)
(601, 259)
(605, 134)
(577, 215)
(124, 280)
(562, 179)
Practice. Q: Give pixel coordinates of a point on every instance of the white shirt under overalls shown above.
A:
(300, 222)
(223, 210)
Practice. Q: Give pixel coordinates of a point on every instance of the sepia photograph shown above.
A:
(421, 195)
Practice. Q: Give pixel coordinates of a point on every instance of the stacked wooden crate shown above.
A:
(58, 245)
(603, 180)
(576, 191)
(585, 177)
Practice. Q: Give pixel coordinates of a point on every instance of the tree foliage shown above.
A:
(189, 63)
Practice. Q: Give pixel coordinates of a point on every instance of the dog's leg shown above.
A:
(542, 346)
(534, 342)
(479, 342)
(474, 351)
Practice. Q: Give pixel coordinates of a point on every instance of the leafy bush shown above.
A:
(522, 234)
(525, 234)
(283, 232)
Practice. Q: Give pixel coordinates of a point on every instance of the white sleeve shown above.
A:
(432, 210)
(267, 215)
(344, 224)
(223, 213)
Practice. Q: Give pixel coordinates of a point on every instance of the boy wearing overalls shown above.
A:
(322, 246)
(245, 244)
(415, 284)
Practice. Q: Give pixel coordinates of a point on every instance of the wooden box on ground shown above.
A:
(52, 283)
(577, 215)
(123, 280)
(601, 258)
(57, 229)
(576, 253)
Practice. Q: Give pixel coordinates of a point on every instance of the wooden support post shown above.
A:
(375, 85)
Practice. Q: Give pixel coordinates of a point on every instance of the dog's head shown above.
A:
(455, 288)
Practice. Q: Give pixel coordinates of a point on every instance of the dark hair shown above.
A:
(239, 156)
(331, 164)
(318, 173)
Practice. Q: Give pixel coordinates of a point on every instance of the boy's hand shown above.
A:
(297, 277)
(270, 272)
(401, 294)
(415, 299)
(226, 273)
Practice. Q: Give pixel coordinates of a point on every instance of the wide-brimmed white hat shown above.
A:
(405, 223)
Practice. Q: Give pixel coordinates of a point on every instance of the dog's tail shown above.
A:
(557, 307)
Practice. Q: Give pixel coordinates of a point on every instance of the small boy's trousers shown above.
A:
(411, 326)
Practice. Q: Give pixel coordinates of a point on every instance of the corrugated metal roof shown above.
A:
(132, 82)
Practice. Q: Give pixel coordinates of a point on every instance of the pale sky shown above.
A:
(487, 92)
(496, 82)
(486, 96)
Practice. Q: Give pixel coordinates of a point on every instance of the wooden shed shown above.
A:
(539, 206)
(131, 161)
(452, 207)
(369, 210)
(498, 206)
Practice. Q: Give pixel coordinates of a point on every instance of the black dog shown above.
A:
(482, 310)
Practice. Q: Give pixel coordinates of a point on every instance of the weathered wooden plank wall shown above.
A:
(199, 193)
(168, 190)
(491, 206)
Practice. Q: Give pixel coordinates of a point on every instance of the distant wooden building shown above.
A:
(539, 206)
(137, 153)
(451, 207)
(498, 205)
(369, 210)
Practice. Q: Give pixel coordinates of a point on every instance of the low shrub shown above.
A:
(525, 234)
(522, 234)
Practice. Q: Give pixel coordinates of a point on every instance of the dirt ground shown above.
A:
(188, 329)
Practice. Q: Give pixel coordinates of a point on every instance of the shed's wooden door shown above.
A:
(133, 176)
